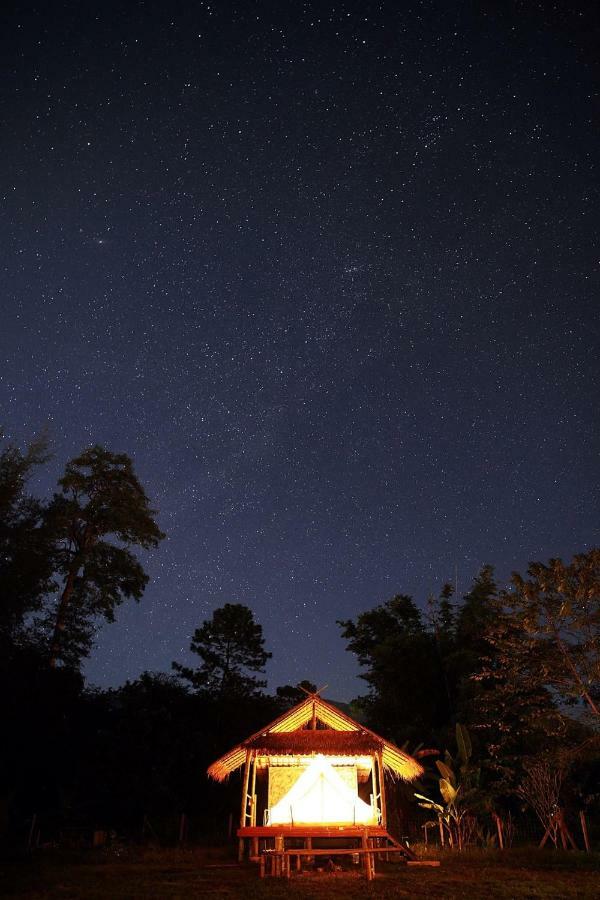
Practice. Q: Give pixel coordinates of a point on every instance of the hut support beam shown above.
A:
(244, 805)
(381, 779)
(254, 840)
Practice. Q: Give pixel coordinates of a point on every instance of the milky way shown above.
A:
(329, 274)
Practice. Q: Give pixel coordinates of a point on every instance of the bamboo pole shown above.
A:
(254, 841)
(566, 834)
(499, 829)
(244, 805)
(253, 791)
(381, 779)
(584, 830)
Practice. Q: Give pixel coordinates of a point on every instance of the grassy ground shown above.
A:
(170, 874)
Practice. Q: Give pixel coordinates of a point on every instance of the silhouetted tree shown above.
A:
(544, 661)
(407, 697)
(25, 546)
(470, 646)
(100, 513)
(288, 695)
(231, 647)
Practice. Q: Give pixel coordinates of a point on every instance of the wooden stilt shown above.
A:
(278, 855)
(365, 846)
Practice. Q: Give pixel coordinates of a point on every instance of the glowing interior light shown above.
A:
(320, 796)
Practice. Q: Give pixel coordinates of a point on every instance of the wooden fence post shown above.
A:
(584, 830)
(498, 822)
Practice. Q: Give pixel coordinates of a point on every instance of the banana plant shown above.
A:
(458, 782)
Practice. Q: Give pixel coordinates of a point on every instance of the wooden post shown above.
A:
(254, 840)
(381, 779)
(584, 831)
(244, 804)
(365, 846)
(567, 837)
(498, 822)
(262, 865)
(278, 858)
(545, 838)
(253, 791)
(563, 836)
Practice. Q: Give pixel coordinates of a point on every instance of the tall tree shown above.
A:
(100, 513)
(25, 547)
(231, 647)
(543, 664)
(470, 645)
(549, 633)
(407, 695)
(476, 612)
(442, 619)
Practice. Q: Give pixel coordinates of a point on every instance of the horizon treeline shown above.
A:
(519, 668)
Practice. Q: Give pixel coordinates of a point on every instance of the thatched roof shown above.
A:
(323, 740)
(288, 731)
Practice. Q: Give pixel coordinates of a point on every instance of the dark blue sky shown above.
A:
(329, 274)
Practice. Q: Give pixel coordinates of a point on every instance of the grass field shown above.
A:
(129, 874)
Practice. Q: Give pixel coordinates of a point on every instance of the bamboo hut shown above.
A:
(313, 772)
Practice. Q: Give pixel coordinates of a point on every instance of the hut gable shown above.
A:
(332, 732)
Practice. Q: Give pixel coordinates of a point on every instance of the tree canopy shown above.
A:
(100, 513)
(231, 647)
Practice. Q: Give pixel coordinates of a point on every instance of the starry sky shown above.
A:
(329, 273)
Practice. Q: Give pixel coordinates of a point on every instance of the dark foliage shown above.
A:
(231, 647)
(520, 668)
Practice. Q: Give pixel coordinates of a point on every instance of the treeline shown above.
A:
(517, 669)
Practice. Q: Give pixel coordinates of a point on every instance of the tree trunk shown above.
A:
(61, 615)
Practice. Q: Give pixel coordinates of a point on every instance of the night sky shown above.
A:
(329, 274)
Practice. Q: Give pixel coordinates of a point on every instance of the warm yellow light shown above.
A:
(320, 796)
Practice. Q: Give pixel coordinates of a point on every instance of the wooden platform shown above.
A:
(315, 831)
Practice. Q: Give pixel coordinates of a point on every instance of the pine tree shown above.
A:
(231, 647)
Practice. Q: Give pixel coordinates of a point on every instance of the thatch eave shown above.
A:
(398, 763)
